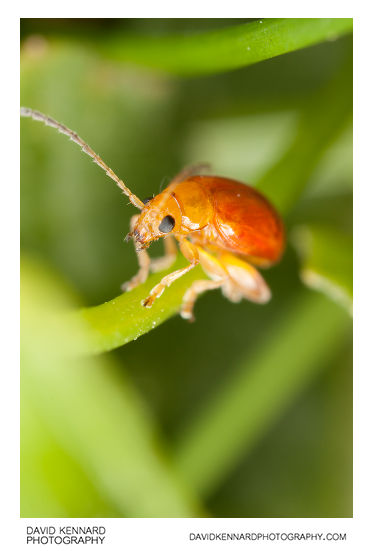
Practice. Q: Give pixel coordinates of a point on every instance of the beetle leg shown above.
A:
(237, 279)
(244, 281)
(164, 262)
(190, 252)
(215, 270)
(191, 295)
(144, 263)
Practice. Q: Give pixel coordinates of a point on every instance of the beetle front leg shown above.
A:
(144, 263)
(190, 252)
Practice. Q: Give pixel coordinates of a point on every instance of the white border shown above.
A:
(173, 533)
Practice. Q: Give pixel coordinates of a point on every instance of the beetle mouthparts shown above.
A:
(139, 242)
(136, 235)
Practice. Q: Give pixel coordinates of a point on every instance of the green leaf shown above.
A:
(326, 254)
(53, 484)
(298, 345)
(223, 49)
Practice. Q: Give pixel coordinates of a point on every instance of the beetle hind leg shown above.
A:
(244, 281)
(191, 295)
(231, 291)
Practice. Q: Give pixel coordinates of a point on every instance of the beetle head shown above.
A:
(160, 217)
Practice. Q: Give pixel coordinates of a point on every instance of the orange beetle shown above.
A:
(224, 225)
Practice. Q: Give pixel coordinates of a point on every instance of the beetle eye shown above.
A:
(147, 199)
(167, 224)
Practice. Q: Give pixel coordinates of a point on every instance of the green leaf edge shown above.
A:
(222, 49)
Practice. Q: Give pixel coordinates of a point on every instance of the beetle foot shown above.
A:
(128, 286)
(148, 301)
(187, 315)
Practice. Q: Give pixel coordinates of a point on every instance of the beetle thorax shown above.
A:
(182, 210)
(194, 204)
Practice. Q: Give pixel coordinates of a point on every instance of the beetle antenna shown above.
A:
(37, 116)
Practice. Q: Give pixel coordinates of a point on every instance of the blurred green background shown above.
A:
(248, 411)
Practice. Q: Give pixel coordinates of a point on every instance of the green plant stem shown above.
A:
(223, 49)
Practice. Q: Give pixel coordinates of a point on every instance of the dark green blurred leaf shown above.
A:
(326, 115)
(243, 409)
(303, 466)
